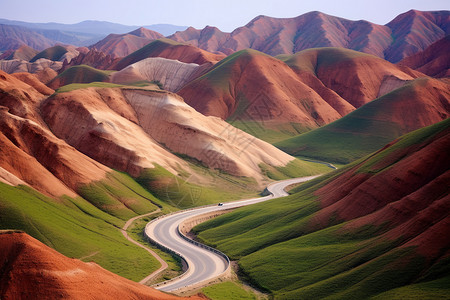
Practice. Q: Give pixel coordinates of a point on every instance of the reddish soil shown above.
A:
(32, 270)
(433, 61)
(258, 87)
(46, 75)
(23, 53)
(120, 45)
(320, 86)
(356, 77)
(414, 31)
(93, 58)
(170, 50)
(32, 80)
(30, 151)
(407, 34)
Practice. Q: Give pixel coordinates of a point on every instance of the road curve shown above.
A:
(203, 264)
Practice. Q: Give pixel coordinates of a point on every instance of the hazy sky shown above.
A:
(225, 14)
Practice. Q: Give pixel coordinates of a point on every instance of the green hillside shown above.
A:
(82, 74)
(360, 132)
(76, 228)
(281, 249)
(53, 53)
(149, 50)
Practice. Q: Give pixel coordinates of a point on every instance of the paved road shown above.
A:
(203, 264)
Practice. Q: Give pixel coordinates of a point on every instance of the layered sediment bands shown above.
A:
(171, 122)
(171, 74)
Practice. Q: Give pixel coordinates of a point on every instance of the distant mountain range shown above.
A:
(87, 32)
(405, 35)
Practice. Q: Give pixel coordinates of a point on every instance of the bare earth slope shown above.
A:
(407, 34)
(171, 74)
(34, 271)
(32, 152)
(120, 45)
(125, 128)
(172, 50)
(357, 77)
(23, 53)
(433, 61)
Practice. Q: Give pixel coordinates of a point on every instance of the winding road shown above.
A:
(203, 265)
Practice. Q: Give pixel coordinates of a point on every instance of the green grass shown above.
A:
(295, 168)
(268, 132)
(327, 56)
(430, 290)
(75, 228)
(119, 195)
(136, 231)
(409, 142)
(77, 86)
(228, 291)
(180, 191)
(53, 53)
(150, 50)
(280, 252)
(281, 248)
(83, 74)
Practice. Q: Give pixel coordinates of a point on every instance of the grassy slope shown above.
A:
(148, 50)
(120, 196)
(281, 253)
(326, 57)
(227, 291)
(296, 168)
(266, 131)
(181, 191)
(353, 136)
(76, 86)
(83, 74)
(52, 53)
(75, 228)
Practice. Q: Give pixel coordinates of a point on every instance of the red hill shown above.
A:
(120, 45)
(407, 34)
(34, 271)
(433, 61)
(308, 90)
(171, 50)
(22, 53)
(414, 31)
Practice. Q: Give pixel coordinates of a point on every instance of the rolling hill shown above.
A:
(23, 257)
(421, 102)
(169, 49)
(274, 99)
(375, 227)
(79, 74)
(120, 45)
(23, 53)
